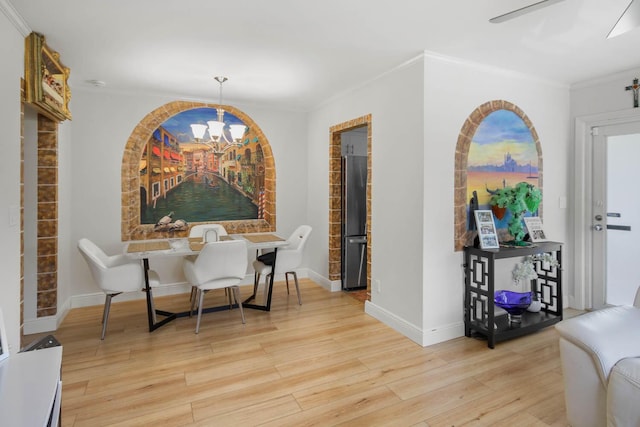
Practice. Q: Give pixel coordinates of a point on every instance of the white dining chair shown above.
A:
(114, 275)
(208, 233)
(219, 265)
(288, 259)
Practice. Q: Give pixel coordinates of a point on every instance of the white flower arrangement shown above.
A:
(526, 270)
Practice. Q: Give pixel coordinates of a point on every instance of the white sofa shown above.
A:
(600, 354)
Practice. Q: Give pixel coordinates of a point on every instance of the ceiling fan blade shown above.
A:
(523, 10)
(629, 20)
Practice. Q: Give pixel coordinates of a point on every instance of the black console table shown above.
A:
(479, 285)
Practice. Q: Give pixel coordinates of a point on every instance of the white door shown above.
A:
(616, 214)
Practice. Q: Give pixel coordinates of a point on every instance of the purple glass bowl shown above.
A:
(512, 302)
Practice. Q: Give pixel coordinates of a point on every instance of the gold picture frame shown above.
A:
(46, 78)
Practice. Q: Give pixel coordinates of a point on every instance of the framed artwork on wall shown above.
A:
(46, 78)
(498, 147)
(502, 153)
(204, 178)
(4, 344)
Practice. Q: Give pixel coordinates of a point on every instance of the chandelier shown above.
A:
(216, 128)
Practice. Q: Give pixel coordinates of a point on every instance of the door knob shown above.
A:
(597, 227)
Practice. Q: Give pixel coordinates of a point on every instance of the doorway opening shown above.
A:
(590, 204)
(344, 138)
(616, 214)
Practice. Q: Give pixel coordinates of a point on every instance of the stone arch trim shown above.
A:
(131, 229)
(462, 236)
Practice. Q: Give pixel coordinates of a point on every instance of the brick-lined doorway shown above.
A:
(335, 197)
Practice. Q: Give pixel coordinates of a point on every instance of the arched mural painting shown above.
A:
(498, 147)
(196, 180)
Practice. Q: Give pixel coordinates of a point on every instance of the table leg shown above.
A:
(147, 288)
(269, 291)
(255, 283)
(150, 306)
(273, 274)
(170, 316)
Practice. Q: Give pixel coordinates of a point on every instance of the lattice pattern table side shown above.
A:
(479, 309)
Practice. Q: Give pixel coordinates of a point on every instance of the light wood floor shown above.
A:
(323, 363)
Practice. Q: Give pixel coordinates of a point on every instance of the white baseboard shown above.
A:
(41, 324)
(442, 333)
(330, 285)
(48, 323)
(414, 333)
(336, 286)
(405, 328)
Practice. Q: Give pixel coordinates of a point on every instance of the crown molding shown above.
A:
(14, 17)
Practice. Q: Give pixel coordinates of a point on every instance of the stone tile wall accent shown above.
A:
(131, 229)
(47, 217)
(462, 237)
(335, 196)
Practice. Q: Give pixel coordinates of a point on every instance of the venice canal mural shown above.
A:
(200, 180)
(502, 153)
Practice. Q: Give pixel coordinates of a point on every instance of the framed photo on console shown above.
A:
(486, 229)
(534, 228)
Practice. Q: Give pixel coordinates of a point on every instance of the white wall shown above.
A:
(417, 113)
(603, 95)
(453, 90)
(102, 124)
(66, 245)
(30, 213)
(395, 101)
(12, 54)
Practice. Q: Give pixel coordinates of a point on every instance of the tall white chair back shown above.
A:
(218, 265)
(208, 232)
(114, 274)
(288, 259)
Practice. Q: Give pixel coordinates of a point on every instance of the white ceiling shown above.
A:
(296, 54)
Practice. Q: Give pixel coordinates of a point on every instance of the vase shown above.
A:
(536, 304)
(498, 211)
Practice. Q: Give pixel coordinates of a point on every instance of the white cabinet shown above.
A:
(30, 388)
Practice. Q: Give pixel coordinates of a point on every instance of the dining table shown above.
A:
(144, 250)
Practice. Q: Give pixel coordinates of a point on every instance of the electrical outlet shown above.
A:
(377, 285)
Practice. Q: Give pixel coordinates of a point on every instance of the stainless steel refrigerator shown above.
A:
(354, 222)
